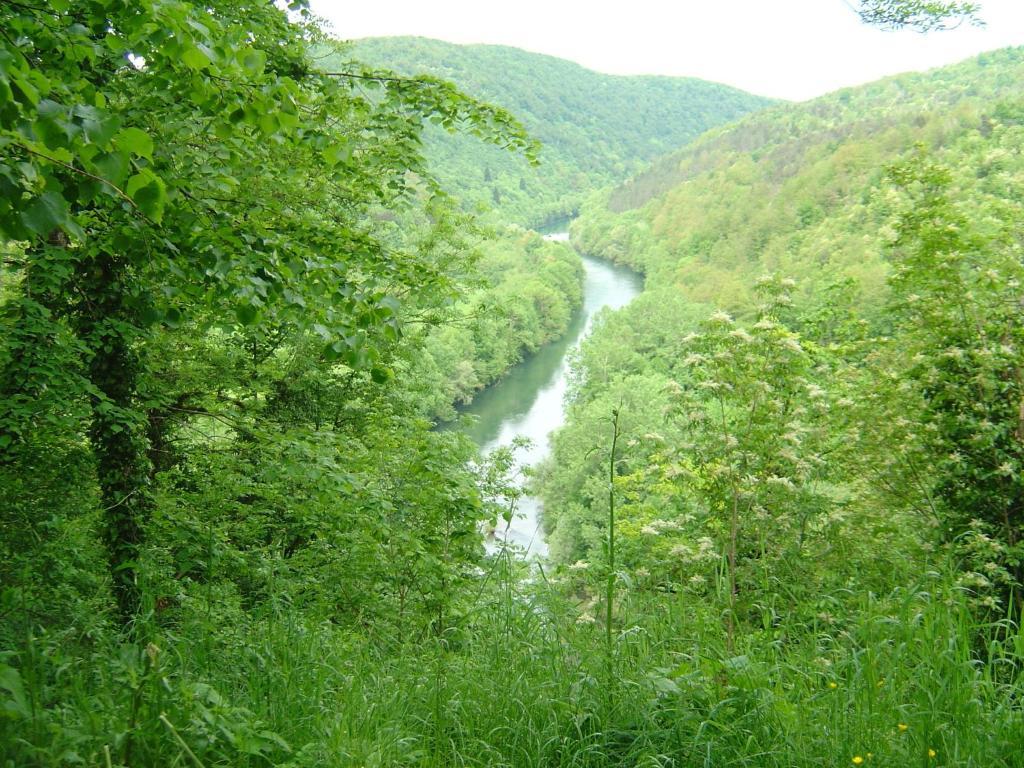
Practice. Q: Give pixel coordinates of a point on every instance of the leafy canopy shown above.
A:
(922, 15)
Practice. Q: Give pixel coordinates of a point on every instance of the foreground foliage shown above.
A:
(889, 678)
(836, 428)
(200, 222)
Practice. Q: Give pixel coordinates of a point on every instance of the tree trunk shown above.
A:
(118, 430)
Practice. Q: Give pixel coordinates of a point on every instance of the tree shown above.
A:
(756, 422)
(922, 15)
(162, 162)
(957, 302)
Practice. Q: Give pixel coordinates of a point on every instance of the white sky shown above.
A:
(793, 49)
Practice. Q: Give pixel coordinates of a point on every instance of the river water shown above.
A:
(530, 401)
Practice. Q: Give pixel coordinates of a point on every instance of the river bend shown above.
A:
(530, 400)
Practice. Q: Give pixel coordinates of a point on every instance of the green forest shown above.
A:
(594, 129)
(251, 279)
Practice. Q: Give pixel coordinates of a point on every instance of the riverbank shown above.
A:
(529, 401)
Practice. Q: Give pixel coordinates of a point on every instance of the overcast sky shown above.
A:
(793, 49)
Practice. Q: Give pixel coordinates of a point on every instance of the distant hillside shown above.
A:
(888, 221)
(596, 129)
(794, 188)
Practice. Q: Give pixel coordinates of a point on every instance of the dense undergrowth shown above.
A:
(903, 677)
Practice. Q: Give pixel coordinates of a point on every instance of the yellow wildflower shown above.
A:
(833, 685)
(857, 760)
(902, 727)
(931, 753)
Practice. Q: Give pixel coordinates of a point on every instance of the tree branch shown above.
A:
(378, 78)
(92, 176)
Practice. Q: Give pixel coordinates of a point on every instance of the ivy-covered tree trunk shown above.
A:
(118, 430)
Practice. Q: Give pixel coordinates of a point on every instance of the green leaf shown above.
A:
(151, 199)
(335, 350)
(53, 127)
(149, 193)
(28, 91)
(255, 61)
(246, 313)
(338, 153)
(269, 123)
(135, 141)
(381, 374)
(15, 703)
(151, 315)
(195, 59)
(98, 125)
(138, 181)
(46, 213)
(390, 305)
(114, 167)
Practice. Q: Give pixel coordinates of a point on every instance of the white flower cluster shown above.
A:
(781, 482)
(672, 471)
(974, 580)
(790, 343)
(658, 527)
(704, 551)
(814, 392)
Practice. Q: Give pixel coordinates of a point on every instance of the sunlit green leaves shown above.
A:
(196, 57)
(135, 141)
(956, 293)
(149, 192)
(179, 168)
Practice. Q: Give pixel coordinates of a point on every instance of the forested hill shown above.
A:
(596, 129)
(881, 215)
(779, 137)
(792, 188)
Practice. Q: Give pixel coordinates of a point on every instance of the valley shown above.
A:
(399, 402)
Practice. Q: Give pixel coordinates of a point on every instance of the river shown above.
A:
(530, 400)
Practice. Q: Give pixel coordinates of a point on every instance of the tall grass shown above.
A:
(905, 679)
